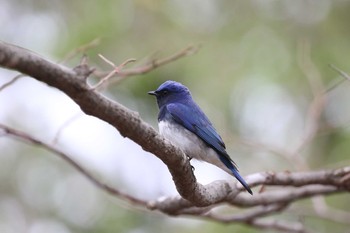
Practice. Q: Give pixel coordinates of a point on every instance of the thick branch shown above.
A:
(297, 185)
(128, 123)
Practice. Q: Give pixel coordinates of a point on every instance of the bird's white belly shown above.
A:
(193, 146)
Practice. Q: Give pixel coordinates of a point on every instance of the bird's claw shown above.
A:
(189, 159)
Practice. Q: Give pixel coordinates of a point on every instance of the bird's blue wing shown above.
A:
(193, 119)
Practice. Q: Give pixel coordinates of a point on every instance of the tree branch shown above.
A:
(12, 81)
(30, 139)
(304, 184)
(142, 69)
(128, 123)
(297, 185)
(195, 199)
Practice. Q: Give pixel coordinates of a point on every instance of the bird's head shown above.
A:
(170, 92)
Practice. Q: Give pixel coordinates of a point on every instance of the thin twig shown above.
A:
(64, 125)
(31, 140)
(281, 226)
(116, 70)
(161, 62)
(259, 211)
(95, 42)
(329, 213)
(145, 68)
(342, 73)
(317, 105)
(252, 219)
(268, 148)
(12, 81)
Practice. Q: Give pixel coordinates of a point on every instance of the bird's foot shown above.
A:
(189, 159)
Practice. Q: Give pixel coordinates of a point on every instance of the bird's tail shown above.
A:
(241, 180)
(232, 167)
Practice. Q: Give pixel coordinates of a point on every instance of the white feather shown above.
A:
(190, 144)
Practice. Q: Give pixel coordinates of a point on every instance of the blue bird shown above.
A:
(182, 122)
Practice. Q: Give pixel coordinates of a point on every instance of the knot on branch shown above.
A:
(345, 178)
(83, 71)
(166, 205)
(340, 177)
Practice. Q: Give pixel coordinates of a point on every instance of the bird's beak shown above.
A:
(152, 93)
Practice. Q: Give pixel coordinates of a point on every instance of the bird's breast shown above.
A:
(191, 144)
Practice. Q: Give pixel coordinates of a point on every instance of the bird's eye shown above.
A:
(165, 92)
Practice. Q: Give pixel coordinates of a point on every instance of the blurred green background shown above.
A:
(259, 68)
